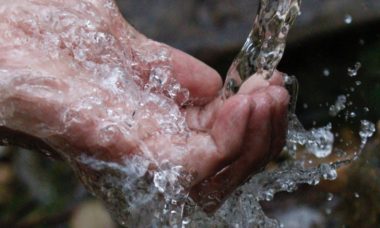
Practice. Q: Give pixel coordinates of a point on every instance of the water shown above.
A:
(142, 190)
(340, 105)
(348, 19)
(352, 72)
(265, 44)
(141, 196)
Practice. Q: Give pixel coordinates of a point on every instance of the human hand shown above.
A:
(76, 76)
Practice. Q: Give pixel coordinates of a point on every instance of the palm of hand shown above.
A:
(83, 80)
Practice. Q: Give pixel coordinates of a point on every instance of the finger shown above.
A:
(211, 193)
(254, 83)
(227, 133)
(202, 118)
(257, 82)
(277, 78)
(202, 81)
(279, 119)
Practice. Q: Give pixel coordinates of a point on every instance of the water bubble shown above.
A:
(352, 72)
(186, 221)
(321, 143)
(358, 83)
(328, 211)
(356, 195)
(328, 172)
(367, 129)
(268, 195)
(305, 106)
(348, 19)
(313, 181)
(340, 104)
(330, 196)
(326, 72)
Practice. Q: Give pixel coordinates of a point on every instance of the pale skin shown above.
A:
(225, 141)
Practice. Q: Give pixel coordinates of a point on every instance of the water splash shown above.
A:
(139, 195)
(348, 19)
(340, 104)
(352, 72)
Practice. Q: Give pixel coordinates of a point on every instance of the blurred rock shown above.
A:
(91, 214)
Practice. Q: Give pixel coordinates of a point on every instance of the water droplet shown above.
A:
(321, 141)
(330, 196)
(352, 72)
(313, 181)
(348, 19)
(268, 195)
(367, 129)
(356, 195)
(340, 104)
(326, 72)
(186, 221)
(328, 173)
(305, 106)
(358, 83)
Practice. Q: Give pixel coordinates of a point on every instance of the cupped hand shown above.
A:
(76, 76)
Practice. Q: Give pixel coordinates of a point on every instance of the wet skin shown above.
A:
(42, 77)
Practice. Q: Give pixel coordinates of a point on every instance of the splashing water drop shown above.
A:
(352, 72)
(340, 104)
(348, 19)
(330, 196)
(326, 72)
(322, 142)
(328, 172)
(367, 129)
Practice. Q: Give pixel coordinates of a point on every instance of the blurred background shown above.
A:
(329, 38)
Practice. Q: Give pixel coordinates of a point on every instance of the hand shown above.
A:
(77, 77)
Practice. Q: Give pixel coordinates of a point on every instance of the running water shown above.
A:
(140, 196)
(265, 44)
